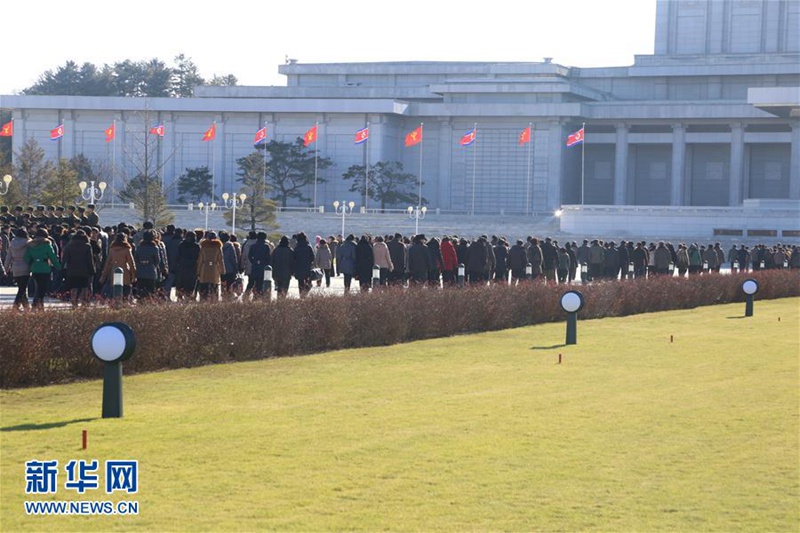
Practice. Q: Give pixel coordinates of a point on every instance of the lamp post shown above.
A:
(416, 214)
(234, 202)
(207, 208)
(750, 287)
(6, 182)
(91, 193)
(112, 343)
(343, 209)
(572, 302)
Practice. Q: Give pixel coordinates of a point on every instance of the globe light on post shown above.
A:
(344, 209)
(572, 302)
(268, 281)
(749, 287)
(5, 185)
(461, 274)
(92, 193)
(233, 203)
(416, 214)
(112, 343)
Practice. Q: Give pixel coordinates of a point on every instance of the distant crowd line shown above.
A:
(76, 259)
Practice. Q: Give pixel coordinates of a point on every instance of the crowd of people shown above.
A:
(71, 257)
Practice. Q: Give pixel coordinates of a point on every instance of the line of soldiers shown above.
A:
(49, 216)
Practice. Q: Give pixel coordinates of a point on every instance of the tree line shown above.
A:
(152, 78)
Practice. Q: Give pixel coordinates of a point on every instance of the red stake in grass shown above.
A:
(670, 338)
(85, 438)
(559, 359)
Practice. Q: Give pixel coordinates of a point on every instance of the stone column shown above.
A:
(621, 165)
(678, 160)
(737, 164)
(794, 163)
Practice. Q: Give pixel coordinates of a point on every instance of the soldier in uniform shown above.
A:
(5, 216)
(50, 216)
(91, 217)
(18, 220)
(39, 217)
(81, 215)
(59, 215)
(70, 218)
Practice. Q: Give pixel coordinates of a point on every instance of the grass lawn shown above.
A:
(631, 432)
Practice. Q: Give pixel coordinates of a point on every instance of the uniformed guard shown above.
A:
(5, 216)
(91, 217)
(70, 218)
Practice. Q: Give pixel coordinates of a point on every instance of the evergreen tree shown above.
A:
(32, 171)
(258, 211)
(290, 170)
(388, 184)
(147, 196)
(62, 189)
(194, 185)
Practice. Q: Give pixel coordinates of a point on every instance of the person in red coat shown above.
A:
(449, 261)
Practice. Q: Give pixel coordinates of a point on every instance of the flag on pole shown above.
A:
(362, 135)
(210, 133)
(158, 130)
(469, 137)
(310, 136)
(111, 132)
(261, 135)
(57, 132)
(575, 138)
(414, 137)
(524, 137)
(8, 129)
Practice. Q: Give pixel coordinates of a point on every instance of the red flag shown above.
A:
(158, 130)
(524, 137)
(210, 133)
(469, 137)
(310, 136)
(575, 138)
(57, 132)
(7, 130)
(414, 137)
(362, 135)
(111, 132)
(260, 135)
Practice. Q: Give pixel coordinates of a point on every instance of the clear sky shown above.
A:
(250, 39)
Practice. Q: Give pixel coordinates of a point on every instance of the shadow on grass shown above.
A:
(735, 317)
(34, 427)
(552, 347)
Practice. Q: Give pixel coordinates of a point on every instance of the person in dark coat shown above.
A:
(437, 262)
(501, 261)
(186, 266)
(549, 259)
(419, 261)
(365, 260)
(258, 255)
(79, 263)
(346, 260)
(477, 261)
(517, 261)
(148, 265)
(397, 252)
(282, 266)
(303, 263)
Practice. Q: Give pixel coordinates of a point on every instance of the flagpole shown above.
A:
(213, 163)
(530, 153)
(366, 171)
(421, 140)
(474, 161)
(583, 152)
(266, 122)
(316, 137)
(113, 162)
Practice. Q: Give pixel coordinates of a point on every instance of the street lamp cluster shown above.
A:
(91, 193)
(416, 214)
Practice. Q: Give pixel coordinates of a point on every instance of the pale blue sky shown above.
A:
(250, 39)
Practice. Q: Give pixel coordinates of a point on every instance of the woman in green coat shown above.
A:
(42, 258)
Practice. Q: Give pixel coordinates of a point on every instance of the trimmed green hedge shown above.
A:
(39, 348)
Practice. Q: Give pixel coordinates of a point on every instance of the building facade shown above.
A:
(677, 128)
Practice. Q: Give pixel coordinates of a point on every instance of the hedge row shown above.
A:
(40, 348)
